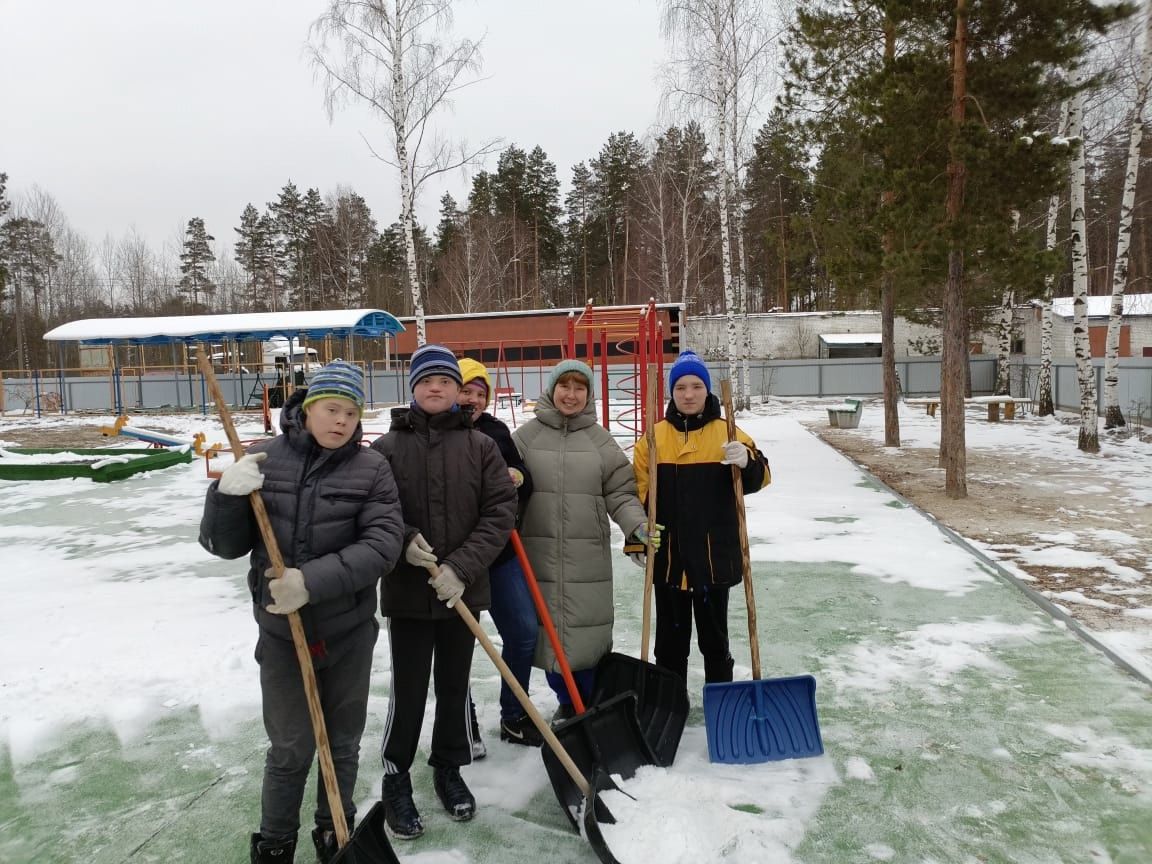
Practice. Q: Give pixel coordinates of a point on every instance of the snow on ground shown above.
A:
(959, 722)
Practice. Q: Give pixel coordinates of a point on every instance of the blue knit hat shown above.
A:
(433, 360)
(337, 380)
(564, 367)
(688, 363)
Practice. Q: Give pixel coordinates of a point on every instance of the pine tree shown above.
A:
(542, 214)
(194, 263)
(578, 206)
(449, 224)
(248, 251)
(988, 54)
(291, 242)
(616, 176)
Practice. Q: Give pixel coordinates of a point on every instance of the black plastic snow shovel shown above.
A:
(368, 845)
(599, 812)
(607, 736)
(661, 694)
(766, 719)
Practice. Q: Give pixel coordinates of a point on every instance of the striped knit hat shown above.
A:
(337, 380)
(433, 360)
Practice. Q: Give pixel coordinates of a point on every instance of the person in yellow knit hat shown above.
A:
(699, 558)
(511, 610)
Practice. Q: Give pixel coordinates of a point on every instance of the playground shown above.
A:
(960, 722)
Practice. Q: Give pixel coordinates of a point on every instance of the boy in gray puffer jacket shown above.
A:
(335, 511)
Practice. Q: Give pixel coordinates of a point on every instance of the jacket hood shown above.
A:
(548, 414)
(686, 423)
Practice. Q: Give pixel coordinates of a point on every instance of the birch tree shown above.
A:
(1089, 438)
(398, 57)
(1045, 406)
(1113, 416)
(719, 59)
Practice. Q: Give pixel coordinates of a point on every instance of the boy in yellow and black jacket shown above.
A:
(699, 556)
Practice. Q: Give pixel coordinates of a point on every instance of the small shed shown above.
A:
(840, 345)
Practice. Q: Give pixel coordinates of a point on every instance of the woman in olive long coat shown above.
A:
(581, 480)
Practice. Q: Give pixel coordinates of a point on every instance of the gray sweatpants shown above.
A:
(342, 678)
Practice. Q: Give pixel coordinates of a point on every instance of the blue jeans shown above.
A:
(515, 617)
(585, 680)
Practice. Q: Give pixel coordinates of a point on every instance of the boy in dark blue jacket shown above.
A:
(335, 511)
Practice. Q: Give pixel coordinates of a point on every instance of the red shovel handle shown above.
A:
(546, 620)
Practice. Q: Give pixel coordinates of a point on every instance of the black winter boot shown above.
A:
(479, 751)
(400, 813)
(454, 794)
(324, 839)
(272, 851)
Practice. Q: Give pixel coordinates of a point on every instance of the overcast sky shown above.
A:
(150, 112)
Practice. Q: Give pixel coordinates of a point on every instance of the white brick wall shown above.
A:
(794, 335)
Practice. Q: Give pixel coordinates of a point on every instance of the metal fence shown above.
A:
(182, 389)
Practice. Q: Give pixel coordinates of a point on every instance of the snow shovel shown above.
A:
(600, 812)
(608, 737)
(761, 720)
(661, 695)
(368, 845)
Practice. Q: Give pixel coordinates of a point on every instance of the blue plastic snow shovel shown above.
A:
(761, 720)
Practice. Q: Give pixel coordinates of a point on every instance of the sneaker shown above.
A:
(566, 711)
(521, 731)
(272, 851)
(400, 813)
(324, 839)
(454, 794)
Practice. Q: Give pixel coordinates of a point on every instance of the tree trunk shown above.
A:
(953, 455)
(407, 202)
(1089, 439)
(1004, 346)
(1045, 406)
(1113, 416)
(725, 247)
(887, 288)
(684, 280)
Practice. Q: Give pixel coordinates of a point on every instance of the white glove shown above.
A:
(736, 454)
(288, 591)
(447, 585)
(639, 559)
(242, 476)
(419, 553)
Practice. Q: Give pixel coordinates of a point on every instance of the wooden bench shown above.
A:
(930, 404)
(994, 403)
(845, 415)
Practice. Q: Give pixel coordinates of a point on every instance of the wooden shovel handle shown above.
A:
(525, 702)
(650, 556)
(742, 521)
(303, 657)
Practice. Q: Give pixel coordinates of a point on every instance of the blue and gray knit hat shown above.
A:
(337, 380)
(433, 360)
(564, 367)
(688, 363)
